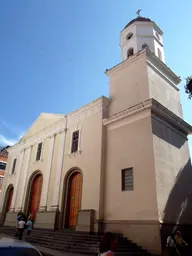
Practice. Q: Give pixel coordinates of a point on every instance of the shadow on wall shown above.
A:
(178, 208)
(167, 134)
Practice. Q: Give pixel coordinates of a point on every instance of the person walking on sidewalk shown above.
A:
(29, 227)
(21, 228)
(181, 245)
(172, 249)
(18, 218)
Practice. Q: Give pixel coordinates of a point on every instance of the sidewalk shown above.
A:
(50, 252)
(45, 251)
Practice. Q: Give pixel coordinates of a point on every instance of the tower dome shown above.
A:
(140, 33)
(139, 18)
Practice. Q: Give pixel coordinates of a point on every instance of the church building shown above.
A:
(117, 164)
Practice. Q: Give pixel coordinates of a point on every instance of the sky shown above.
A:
(53, 53)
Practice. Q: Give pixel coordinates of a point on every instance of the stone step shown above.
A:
(60, 238)
(60, 233)
(76, 242)
(81, 250)
(79, 244)
(64, 244)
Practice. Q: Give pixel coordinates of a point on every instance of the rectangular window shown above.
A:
(14, 165)
(127, 179)
(39, 148)
(2, 166)
(75, 142)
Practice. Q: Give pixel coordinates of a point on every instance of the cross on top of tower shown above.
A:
(138, 12)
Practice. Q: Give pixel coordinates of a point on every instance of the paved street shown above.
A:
(49, 252)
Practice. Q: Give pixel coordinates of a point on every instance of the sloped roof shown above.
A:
(3, 151)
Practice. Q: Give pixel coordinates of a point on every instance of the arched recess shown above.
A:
(72, 198)
(33, 194)
(130, 52)
(7, 202)
(144, 46)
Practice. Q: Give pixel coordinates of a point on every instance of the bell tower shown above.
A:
(147, 138)
(141, 33)
(142, 74)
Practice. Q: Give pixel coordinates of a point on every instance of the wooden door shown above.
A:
(75, 189)
(35, 195)
(9, 199)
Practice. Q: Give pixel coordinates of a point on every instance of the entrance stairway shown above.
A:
(76, 242)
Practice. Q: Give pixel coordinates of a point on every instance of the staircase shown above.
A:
(76, 242)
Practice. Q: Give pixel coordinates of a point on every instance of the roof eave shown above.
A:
(179, 123)
(157, 28)
(152, 57)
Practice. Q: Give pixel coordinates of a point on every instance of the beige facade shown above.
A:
(57, 160)
(137, 132)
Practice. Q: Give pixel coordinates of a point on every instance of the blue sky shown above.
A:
(53, 53)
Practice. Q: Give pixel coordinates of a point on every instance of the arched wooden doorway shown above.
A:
(7, 202)
(74, 194)
(34, 194)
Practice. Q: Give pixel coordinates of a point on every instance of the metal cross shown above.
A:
(138, 12)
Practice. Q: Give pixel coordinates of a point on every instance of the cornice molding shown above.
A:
(127, 112)
(165, 70)
(151, 60)
(156, 109)
(159, 110)
(124, 63)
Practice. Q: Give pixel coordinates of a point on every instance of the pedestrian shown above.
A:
(171, 245)
(108, 245)
(29, 216)
(179, 240)
(180, 243)
(29, 227)
(19, 215)
(21, 228)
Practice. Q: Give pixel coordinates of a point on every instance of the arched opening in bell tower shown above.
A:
(130, 52)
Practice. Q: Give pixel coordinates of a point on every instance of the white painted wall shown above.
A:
(126, 44)
(143, 32)
(157, 46)
(165, 93)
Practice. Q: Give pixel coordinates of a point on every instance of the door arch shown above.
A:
(34, 194)
(72, 198)
(7, 202)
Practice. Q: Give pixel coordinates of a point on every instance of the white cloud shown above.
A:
(15, 131)
(6, 141)
(11, 128)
